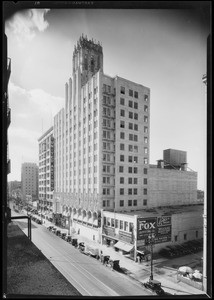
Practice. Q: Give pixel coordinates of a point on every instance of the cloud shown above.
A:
(24, 25)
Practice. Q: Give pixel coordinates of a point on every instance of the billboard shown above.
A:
(160, 226)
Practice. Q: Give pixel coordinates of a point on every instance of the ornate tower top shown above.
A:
(87, 58)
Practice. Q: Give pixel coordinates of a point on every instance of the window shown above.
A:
(121, 169)
(145, 119)
(185, 236)
(122, 147)
(121, 222)
(135, 180)
(135, 159)
(112, 222)
(131, 115)
(146, 97)
(145, 140)
(135, 170)
(116, 223)
(130, 158)
(135, 138)
(145, 108)
(145, 129)
(136, 127)
(129, 202)
(122, 90)
(145, 191)
(136, 149)
(122, 124)
(122, 101)
(145, 150)
(130, 125)
(135, 191)
(129, 180)
(122, 113)
(121, 157)
(145, 161)
(145, 180)
(131, 93)
(135, 105)
(129, 191)
(176, 238)
(121, 180)
(145, 171)
(130, 169)
(136, 95)
(122, 135)
(121, 191)
(131, 137)
(126, 226)
(135, 202)
(136, 116)
(130, 148)
(130, 103)
(144, 202)
(121, 204)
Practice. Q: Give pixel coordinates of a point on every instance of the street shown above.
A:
(87, 274)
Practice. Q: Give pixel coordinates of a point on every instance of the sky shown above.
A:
(162, 49)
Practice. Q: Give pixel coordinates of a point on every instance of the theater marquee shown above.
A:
(160, 226)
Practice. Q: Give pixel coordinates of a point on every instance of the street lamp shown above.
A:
(151, 240)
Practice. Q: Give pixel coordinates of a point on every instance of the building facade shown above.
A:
(46, 173)
(101, 143)
(29, 179)
(171, 226)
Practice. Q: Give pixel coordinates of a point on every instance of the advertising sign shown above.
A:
(159, 226)
(126, 237)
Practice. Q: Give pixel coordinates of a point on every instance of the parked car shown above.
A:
(63, 235)
(68, 238)
(53, 229)
(38, 221)
(58, 232)
(81, 246)
(74, 242)
(155, 286)
(50, 228)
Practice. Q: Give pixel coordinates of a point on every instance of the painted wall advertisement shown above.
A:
(160, 227)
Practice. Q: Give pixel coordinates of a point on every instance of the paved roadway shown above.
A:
(87, 274)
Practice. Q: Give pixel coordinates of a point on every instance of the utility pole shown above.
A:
(204, 79)
(151, 240)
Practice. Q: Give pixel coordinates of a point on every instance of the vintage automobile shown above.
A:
(104, 259)
(81, 246)
(50, 228)
(74, 242)
(114, 264)
(58, 232)
(68, 238)
(63, 235)
(155, 286)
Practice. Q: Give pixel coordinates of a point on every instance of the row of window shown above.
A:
(130, 191)
(131, 126)
(131, 93)
(132, 170)
(130, 158)
(132, 137)
(132, 202)
(131, 148)
(131, 180)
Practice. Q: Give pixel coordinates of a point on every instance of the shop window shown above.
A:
(131, 227)
(126, 226)
(121, 224)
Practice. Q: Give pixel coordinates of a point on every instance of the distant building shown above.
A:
(170, 183)
(101, 142)
(46, 173)
(29, 179)
(13, 185)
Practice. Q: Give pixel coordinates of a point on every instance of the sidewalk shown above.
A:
(141, 271)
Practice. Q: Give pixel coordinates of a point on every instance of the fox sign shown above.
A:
(159, 226)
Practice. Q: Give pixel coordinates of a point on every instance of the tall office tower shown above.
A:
(102, 141)
(29, 179)
(46, 172)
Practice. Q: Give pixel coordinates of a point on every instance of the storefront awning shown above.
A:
(124, 246)
(143, 250)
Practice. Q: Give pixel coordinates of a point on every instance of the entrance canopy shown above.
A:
(124, 246)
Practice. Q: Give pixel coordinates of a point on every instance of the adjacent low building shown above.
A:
(130, 232)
